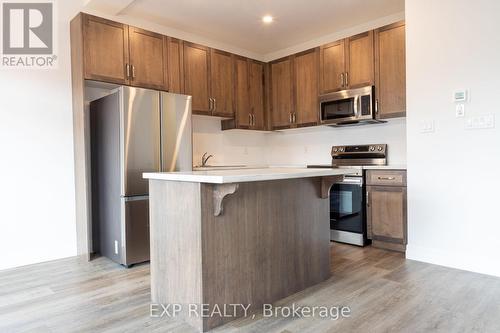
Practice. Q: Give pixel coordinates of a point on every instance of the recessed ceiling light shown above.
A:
(267, 19)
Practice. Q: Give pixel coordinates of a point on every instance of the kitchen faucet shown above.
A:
(205, 159)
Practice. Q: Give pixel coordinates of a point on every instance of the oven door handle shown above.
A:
(351, 181)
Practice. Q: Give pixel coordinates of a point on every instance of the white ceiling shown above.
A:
(238, 22)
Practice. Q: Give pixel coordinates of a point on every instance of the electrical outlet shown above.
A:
(460, 110)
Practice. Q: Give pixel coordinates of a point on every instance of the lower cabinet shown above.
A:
(387, 209)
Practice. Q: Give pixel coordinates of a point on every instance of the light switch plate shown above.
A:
(480, 122)
(427, 126)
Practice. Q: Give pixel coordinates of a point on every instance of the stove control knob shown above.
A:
(379, 148)
(372, 148)
(341, 149)
(335, 150)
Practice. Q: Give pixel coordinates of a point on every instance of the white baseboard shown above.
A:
(483, 263)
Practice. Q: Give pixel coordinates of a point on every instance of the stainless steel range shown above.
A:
(347, 197)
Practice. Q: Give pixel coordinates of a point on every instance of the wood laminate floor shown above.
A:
(385, 293)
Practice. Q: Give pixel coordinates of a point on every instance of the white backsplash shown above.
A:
(292, 147)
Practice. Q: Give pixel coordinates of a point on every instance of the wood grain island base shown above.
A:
(247, 243)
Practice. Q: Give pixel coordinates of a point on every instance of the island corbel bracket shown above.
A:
(327, 183)
(220, 192)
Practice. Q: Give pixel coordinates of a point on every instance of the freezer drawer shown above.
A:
(140, 137)
(136, 215)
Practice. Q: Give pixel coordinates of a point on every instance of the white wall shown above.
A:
(313, 145)
(292, 147)
(37, 204)
(453, 179)
(234, 147)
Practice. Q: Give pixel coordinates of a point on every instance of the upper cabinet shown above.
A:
(174, 62)
(347, 63)
(105, 50)
(282, 108)
(256, 89)
(221, 83)
(146, 59)
(249, 94)
(294, 90)
(359, 70)
(196, 77)
(208, 77)
(117, 53)
(332, 66)
(242, 93)
(390, 71)
(306, 81)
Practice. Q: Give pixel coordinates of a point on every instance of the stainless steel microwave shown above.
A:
(348, 107)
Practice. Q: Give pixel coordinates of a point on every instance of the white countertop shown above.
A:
(385, 167)
(245, 175)
(374, 167)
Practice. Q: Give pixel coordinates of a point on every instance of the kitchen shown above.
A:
(334, 116)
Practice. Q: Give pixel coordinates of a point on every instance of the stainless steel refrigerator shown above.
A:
(133, 131)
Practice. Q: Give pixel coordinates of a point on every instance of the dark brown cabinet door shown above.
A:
(147, 59)
(221, 83)
(105, 50)
(281, 93)
(174, 61)
(332, 67)
(257, 94)
(196, 76)
(386, 213)
(360, 61)
(242, 93)
(390, 70)
(306, 88)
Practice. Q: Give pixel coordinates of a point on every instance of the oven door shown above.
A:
(347, 206)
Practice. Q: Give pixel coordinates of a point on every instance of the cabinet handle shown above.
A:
(367, 199)
(386, 178)
(346, 79)
(133, 72)
(253, 119)
(341, 80)
(290, 117)
(294, 117)
(215, 104)
(376, 106)
(127, 67)
(250, 119)
(210, 104)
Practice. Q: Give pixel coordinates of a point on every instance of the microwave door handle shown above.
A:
(357, 107)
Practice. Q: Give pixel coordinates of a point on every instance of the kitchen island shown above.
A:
(225, 242)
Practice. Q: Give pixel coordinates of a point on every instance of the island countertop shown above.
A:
(245, 175)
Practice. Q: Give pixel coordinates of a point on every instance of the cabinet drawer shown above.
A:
(386, 177)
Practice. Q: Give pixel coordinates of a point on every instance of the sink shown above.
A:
(219, 167)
